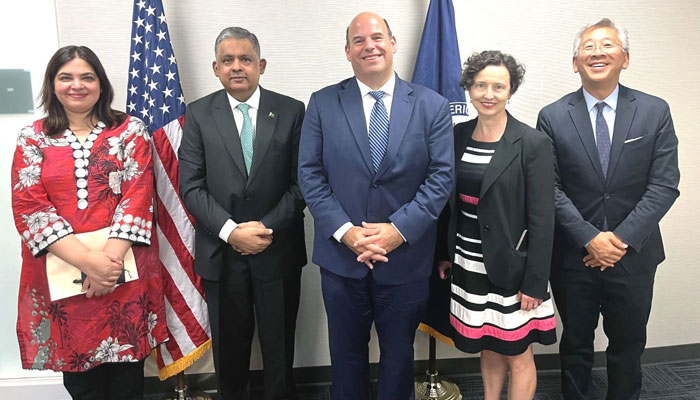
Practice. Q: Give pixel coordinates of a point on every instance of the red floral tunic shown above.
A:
(59, 187)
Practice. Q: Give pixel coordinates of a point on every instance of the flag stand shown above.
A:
(432, 388)
(182, 393)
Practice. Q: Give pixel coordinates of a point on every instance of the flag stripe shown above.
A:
(177, 246)
(172, 206)
(185, 287)
(178, 330)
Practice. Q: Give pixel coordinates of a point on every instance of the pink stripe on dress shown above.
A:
(506, 335)
(469, 199)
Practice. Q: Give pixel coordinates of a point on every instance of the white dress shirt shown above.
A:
(367, 105)
(254, 103)
(609, 111)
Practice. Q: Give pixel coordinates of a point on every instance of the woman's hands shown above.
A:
(102, 272)
(102, 267)
(528, 303)
(445, 269)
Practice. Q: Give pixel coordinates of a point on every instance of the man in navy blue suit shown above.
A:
(376, 167)
(616, 164)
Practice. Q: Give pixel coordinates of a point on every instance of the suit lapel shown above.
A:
(582, 121)
(351, 102)
(264, 129)
(462, 139)
(624, 114)
(505, 152)
(401, 107)
(226, 126)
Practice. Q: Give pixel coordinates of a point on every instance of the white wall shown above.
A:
(29, 40)
(303, 43)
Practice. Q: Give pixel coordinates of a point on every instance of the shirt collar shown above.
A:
(611, 100)
(387, 88)
(253, 101)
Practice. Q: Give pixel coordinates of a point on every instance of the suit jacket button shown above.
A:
(486, 228)
(247, 198)
(606, 196)
(374, 185)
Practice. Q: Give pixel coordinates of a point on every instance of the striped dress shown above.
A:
(485, 316)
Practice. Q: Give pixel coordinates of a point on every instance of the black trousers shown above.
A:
(110, 381)
(624, 300)
(235, 302)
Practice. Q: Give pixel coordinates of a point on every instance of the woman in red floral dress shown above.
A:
(83, 168)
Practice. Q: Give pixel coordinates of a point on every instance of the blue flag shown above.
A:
(439, 67)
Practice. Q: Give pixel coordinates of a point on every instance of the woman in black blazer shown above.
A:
(498, 231)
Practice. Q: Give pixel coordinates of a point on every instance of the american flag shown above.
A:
(155, 96)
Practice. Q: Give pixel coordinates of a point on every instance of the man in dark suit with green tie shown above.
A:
(238, 163)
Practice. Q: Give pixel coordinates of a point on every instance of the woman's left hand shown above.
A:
(94, 289)
(528, 303)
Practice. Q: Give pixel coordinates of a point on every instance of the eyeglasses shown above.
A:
(590, 47)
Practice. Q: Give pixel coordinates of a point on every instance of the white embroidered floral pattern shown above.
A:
(109, 349)
(28, 176)
(115, 181)
(131, 169)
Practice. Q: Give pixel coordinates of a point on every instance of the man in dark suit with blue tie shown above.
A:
(616, 164)
(376, 167)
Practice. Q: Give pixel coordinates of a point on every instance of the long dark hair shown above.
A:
(56, 120)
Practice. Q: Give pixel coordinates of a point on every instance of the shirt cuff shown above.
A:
(226, 230)
(397, 230)
(338, 235)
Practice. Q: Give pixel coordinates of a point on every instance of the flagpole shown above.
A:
(438, 67)
(182, 392)
(432, 388)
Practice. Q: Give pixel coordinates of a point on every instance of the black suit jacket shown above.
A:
(517, 193)
(215, 187)
(639, 188)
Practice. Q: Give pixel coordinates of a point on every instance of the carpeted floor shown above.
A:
(662, 381)
(666, 381)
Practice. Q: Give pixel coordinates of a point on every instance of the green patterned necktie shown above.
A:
(246, 136)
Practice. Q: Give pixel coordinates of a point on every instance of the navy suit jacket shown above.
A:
(640, 186)
(410, 189)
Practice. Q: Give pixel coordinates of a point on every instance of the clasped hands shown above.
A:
(102, 270)
(372, 242)
(604, 250)
(250, 238)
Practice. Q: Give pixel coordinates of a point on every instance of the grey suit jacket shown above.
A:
(214, 184)
(640, 186)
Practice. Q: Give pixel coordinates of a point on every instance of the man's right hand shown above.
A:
(370, 252)
(250, 238)
(604, 250)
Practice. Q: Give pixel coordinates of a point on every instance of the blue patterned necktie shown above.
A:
(378, 129)
(602, 138)
(246, 136)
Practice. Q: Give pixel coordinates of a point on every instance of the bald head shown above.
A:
(366, 14)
